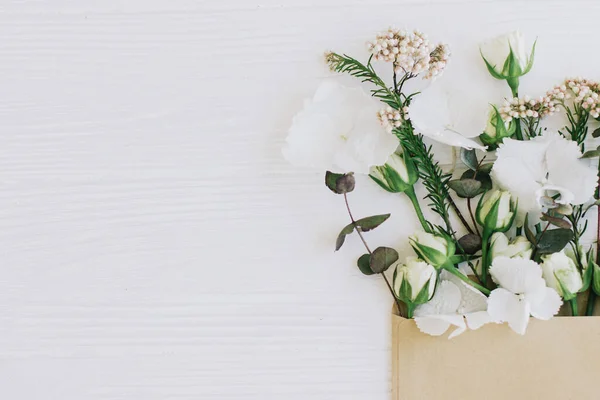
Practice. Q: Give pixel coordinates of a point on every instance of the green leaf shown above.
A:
(481, 176)
(592, 153)
(340, 183)
(554, 240)
(368, 223)
(466, 188)
(470, 243)
(487, 168)
(348, 229)
(596, 133)
(469, 158)
(382, 258)
(556, 221)
(363, 264)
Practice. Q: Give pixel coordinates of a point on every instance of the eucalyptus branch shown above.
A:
(362, 238)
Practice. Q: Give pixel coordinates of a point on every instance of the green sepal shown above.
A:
(596, 279)
(491, 68)
(566, 295)
(587, 274)
(531, 57)
(423, 296)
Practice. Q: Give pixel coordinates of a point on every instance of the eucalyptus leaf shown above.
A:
(469, 158)
(340, 183)
(363, 264)
(348, 229)
(480, 176)
(553, 240)
(596, 133)
(466, 188)
(487, 168)
(382, 258)
(556, 221)
(470, 243)
(368, 223)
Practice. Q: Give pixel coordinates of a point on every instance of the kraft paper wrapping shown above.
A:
(556, 359)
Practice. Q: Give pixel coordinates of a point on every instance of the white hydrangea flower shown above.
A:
(449, 115)
(522, 293)
(543, 167)
(454, 303)
(339, 130)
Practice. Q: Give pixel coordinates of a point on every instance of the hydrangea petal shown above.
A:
(476, 320)
(546, 304)
(567, 170)
(504, 306)
(519, 275)
(431, 325)
(446, 300)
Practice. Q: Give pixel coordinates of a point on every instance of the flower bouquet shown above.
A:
(499, 243)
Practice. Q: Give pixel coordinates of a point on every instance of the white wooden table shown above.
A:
(153, 242)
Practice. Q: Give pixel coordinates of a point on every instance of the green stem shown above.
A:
(484, 255)
(410, 310)
(456, 272)
(415, 202)
(518, 132)
(591, 302)
(574, 310)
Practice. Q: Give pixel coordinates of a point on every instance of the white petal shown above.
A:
(471, 299)
(546, 305)
(504, 306)
(446, 300)
(432, 325)
(567, 170)
(447, 115)
(477, 319)
(521, 169)
(338, 130)
(518, 275)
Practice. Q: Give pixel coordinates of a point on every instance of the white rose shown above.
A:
(396, 175)
(338, 130)
(497, 50)
(500, 246)
(561, 274)
(417, 273)
(501, 201)
(434, 249)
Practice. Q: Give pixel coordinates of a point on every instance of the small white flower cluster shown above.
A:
(587, 93)
(438, 60)
(411, 52)
(391, 118)
(527, 107)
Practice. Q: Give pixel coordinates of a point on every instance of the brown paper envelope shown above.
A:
(556, 359)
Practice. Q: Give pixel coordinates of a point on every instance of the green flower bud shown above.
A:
(434, 249)
(496, 211)
(496, 130)
(397, 175)
(561, 274)
(414, 281)
(500, 246)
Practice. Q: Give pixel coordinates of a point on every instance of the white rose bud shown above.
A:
(414, 281)
(396, 175)
(500, 246)
(496, 130)
(434, 249)
(561, 274)
(506, 58)
(496, 211)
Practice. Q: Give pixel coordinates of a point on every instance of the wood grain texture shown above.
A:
(154, 243)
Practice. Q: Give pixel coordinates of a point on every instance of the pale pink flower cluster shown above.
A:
(411, 52)
(391, 118)
(527, 107)
(587, 93)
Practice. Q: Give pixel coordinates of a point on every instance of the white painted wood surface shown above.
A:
(154, 244)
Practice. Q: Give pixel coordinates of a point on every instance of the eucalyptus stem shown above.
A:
(472, 216)
(357, 229)
(459, 214)
(458, 274)
(415, 202)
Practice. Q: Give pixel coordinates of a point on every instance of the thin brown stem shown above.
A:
(357, 229)
(472, 216)
(459, 214)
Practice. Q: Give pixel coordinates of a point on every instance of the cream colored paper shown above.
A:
(556, 359)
